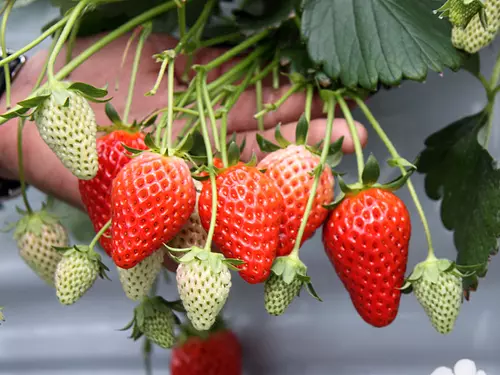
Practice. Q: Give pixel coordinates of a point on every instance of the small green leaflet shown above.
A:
(361, 42)
(463, 175)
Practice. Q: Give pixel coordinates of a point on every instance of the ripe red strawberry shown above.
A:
(152, 198)
(291, 169)
(366, 238)
(249, 212)
(96, 193)
(218, 354)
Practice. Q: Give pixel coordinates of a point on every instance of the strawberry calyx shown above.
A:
(187, 331)
(33, 222)
(289, 268)
(118, 124)
(335, 153)
(370, 176)
(215, 260)
(430, 270)
(147, 309)
(89, 253)
(461, 12)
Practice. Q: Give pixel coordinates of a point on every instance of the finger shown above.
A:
(316, 134)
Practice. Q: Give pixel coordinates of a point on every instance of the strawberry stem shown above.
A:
(159, 78)
(181, 16)
(146, 31)
(124, 56)
(309, 99)
(223, 134)
(75, 13)
(167, 141)
(200, 79)
(22, 179)
(72, 38)
(354, 134)
(317, 174)
(6, 67)
(277, 104)
(395, 155)
(211, 113)
(45, 65)
(491, 91)
(99, 234)
(258, 99)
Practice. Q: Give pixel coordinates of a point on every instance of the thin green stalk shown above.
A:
(75, 13)
(20, 161)
(354, 135)
(99, 234)
(235, 50)
(276, 77)
(277, 104)
(124, 57)
(51, 30)
(161, 74)
(107, 39)
(161, 125)
(147, 350)
(317, 176)
(44, 68)
(395, 155)
(219, 40)
(170, 111)
(258, 99)
(223, 139)
(72, 39)
(200, 79)
(211, 115)
(265, 72)
(135, 68)
(491, 90)
(309, 99)
(6, 67)
(181, 15)
(240, 89)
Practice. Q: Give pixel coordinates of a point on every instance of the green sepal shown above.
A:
(401, 162)
(112, 114)
(214, 259)
(282, 142)
(302, 130)
(187, 145)
(90, 253)
(133, 151)
(398, 182)
(233, 154)
(151, 121)
(33, 102)
(34, 222)
(430, 270)
(253, 161)
(265, 145)
(20, 112)
(371, 172)
(88, 91)
(336, 202)
(335, 153)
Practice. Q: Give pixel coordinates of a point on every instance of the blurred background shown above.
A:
(41, 337)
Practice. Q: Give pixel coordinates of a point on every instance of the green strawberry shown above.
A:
(76, 273)
(278, 295)
(154, 319)
(203, 282)
(461, 12)
(476, 35)
(287, 278)
(36, 234)
(66, 122)
(137, 281)
(437, 285)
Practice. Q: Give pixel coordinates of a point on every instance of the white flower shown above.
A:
(462, 367)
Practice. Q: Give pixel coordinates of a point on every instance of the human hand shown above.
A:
(44, 170)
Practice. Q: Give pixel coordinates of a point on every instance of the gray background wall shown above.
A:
(41, 337)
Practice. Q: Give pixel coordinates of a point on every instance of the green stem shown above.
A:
(223, 139)
(276, 77)
(161, 125)
(72, 39)
(167, 142)
(161, 74)
(200, 80)
(235, 51)
(211, 115)
(491, 91)
(75, 13)
(99, 234)
(135, 68)
(395, 155)
(6, 67)
(124, 57)
(354, 135)
(241, 88)
(51, 30)
(317, 176)
(44, 67)
(309, 99)
(277, 104)
(181, 15)
(265, 72)
(20, 155)
(219, 40)
(258, 98)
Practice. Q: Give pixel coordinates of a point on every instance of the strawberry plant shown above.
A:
(156, 195)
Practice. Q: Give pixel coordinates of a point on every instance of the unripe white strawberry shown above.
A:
(137, 281)
(66, 122)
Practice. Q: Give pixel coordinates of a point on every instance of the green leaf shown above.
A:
(88, 90)
(301, 130)
(371, 173)
(472, 64)
(259, 14)
(112, 114)
(360, 42)
(463, 175)
(265, 145)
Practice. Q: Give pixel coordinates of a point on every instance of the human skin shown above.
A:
(44, 171)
